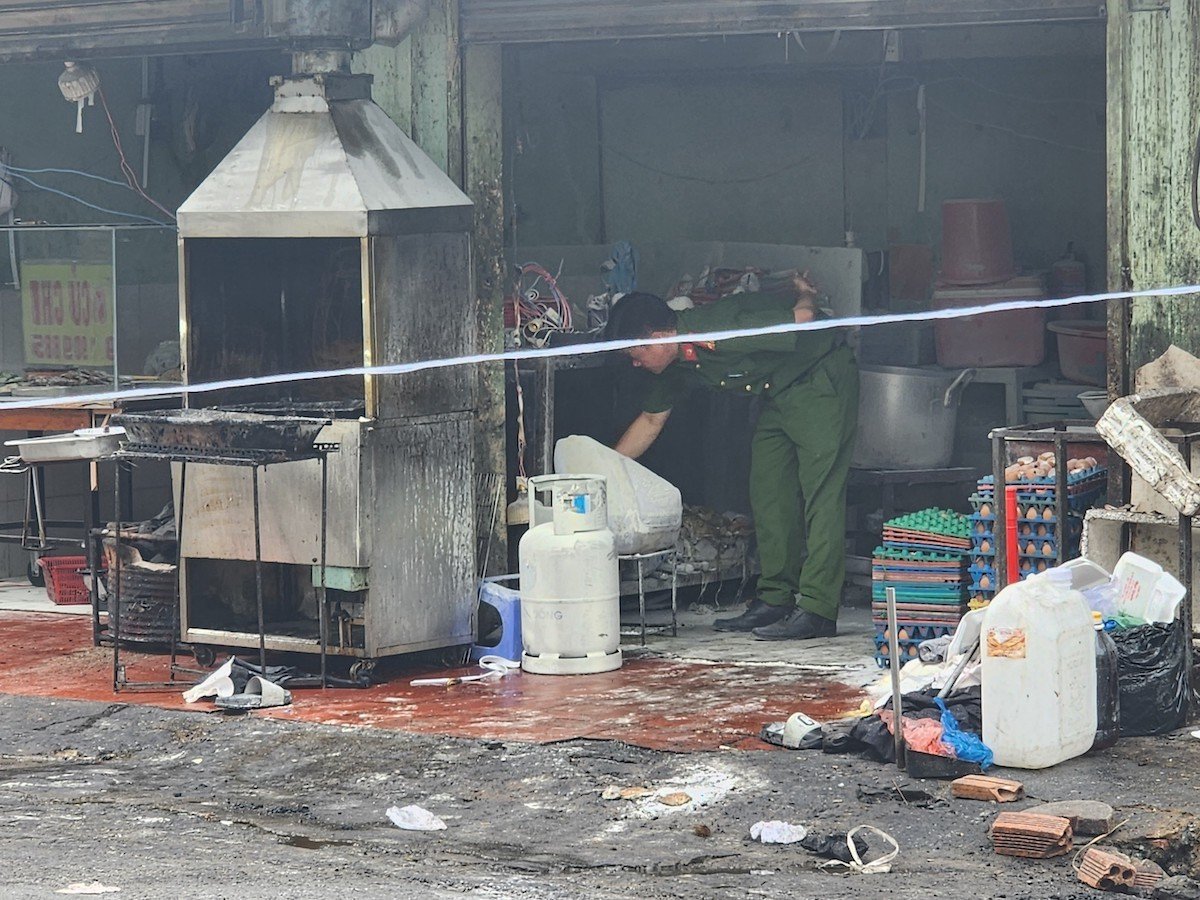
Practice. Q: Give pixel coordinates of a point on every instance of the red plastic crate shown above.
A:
(64, 579)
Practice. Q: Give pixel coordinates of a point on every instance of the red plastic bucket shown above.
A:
(976, 242)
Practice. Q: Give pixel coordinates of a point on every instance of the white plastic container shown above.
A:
(570, 587)
(1144, 590)
(644, 510)
(1039, 673)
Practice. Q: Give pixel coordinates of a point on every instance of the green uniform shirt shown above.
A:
(760, 364)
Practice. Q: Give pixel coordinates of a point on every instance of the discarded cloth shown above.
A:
(833, 846)
(259, 694)
(776, 832)
(965, 745)
(232, 676)
(871, 736)
(924, 735)
(934, 649)
(877, 866)
(415, 818)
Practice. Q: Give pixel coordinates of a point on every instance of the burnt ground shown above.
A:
(162, 803)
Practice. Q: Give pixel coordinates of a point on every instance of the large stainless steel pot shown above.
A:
(906, 417)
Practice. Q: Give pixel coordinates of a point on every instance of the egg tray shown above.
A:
(929, 544)
(918, 612)
(1029, 529)
(1073, 478)
(1045, 498)
(903, 581)
(915, 629)
(919, 594)
(1039, 551)
(908, 651)
(1078, 503)
(933, 521)
(902, 553)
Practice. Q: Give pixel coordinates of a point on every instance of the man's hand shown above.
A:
(641, 433)
(805, 309)
(804, 285)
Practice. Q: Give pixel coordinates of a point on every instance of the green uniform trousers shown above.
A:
(799, 462)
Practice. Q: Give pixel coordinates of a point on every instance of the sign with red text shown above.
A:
(68, 313)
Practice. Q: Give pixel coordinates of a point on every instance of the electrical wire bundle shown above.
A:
(540, 310)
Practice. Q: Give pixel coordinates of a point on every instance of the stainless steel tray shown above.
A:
(84, 444)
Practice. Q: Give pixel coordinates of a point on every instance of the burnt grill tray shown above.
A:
(195, 432)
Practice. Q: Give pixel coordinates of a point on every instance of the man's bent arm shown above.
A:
(641, 433)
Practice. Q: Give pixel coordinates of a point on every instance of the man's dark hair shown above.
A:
(639, 315)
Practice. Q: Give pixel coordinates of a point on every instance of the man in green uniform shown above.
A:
(800, 453)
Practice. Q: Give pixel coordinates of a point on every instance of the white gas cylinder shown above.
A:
(570, 586)
(1039, 673)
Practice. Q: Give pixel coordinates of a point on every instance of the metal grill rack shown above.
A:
(220, 455)
(640, 559)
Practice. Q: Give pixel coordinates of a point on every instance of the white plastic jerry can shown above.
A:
(1039, 673)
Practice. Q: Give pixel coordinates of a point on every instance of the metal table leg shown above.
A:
(641, 600)
(674, 587)
(323, 613)
(178, 566)
(258, 591)
(114, 625)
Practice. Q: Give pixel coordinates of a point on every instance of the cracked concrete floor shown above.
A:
(163, 803)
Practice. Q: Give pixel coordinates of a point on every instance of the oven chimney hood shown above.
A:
(324, 161)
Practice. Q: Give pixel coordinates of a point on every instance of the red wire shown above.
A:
(126, 169)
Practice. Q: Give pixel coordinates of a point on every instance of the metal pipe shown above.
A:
(1185, 578)
(1061, 506)
(999, 498)
(258, 592)
(323, 613)
(897, 701)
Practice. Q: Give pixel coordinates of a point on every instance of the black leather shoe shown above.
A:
(757, 614)
(801, 625)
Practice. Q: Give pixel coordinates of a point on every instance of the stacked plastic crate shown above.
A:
(1038, 528)
(924, 557)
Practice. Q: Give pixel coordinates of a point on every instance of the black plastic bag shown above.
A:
(1152, 675)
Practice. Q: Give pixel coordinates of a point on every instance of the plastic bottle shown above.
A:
(1108, 692)
(1039, 673)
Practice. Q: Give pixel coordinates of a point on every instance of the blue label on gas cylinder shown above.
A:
(580, 504)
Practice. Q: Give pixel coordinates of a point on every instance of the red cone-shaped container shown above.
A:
(976, 242)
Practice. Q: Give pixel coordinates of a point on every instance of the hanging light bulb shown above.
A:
(78, 83)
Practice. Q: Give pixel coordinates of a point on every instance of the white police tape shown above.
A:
(128, 394)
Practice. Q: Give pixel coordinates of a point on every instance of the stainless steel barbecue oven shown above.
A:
(327, 240)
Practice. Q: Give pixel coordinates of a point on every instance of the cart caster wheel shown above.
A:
(204, 655)
(35, 573)
(362, 670)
